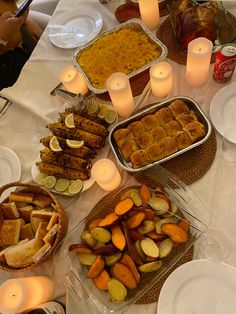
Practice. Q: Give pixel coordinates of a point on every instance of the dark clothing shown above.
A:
(11, 64)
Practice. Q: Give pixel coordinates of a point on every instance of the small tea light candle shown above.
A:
(149, 11)
(161, 79)
(21, 294)
(198, 61)
(73, 80)
(121, 95)
(105, 173)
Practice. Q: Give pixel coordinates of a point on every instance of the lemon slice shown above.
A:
(69, 121)
(93, 107)
(39, 178)
(61, 185)
(74, 143)
(54, 144)
(75, 187)
(110, 116)
(103, 109)
(49, 182)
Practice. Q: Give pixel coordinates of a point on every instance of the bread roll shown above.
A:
(20, 256)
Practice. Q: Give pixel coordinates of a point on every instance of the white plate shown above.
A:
(85, 22)
(199, 287)
(223, 108)
(86, 184)
(10, 169)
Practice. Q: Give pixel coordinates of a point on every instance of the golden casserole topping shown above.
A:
(123, 51)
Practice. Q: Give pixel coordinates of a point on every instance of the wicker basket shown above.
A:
(62, 220)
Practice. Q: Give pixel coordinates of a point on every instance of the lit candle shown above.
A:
(73, 80)
(105, 173)
(21, 294)
(198, 61)
(149, 11)
(161, 79)
(120, 92)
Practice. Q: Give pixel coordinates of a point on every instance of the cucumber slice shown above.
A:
(49, 182)
(61, 185)
(39, 178)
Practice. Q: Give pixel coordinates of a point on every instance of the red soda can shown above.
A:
(225, 63)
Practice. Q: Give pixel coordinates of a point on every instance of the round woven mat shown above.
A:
(166, 35)
(192, 165)
(153, 294)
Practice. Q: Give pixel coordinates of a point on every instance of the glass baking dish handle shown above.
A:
(76, 296)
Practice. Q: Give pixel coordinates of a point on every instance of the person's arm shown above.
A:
(33, 29)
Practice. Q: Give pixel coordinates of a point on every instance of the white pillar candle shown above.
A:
(161, 79)
(105, 173)
(120, 92)
(20, 294)
(198, 61)
(73, 80)
(149, 11)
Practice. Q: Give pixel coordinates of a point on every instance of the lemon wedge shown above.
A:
(74, 143)
(61, 185)
(54, 144)
(39, 178)
(69, 121)
(110, 116)
(75, 187)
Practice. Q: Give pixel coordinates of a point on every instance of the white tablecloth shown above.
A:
(33, 107)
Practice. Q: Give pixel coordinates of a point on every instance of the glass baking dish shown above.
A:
(133, 24)
(221, 31)
(85, 293)
(193, 106)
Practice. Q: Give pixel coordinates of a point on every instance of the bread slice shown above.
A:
(42, 200)
(42, 230)
(25, 212)
(10, 232)
(20, 256)
(43, 214)
(2, 253)
(21, 197)
(10, 211)
(26, 232)
(50, 236)
(35, 222)
(37, 257)
(52, 221)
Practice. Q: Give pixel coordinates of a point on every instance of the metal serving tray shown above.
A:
(133, 24)
(192, 104)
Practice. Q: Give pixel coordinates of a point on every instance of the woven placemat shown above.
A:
(153, 294)
(166, 35)
(192, 165)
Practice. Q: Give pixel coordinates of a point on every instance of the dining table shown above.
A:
(31, 106)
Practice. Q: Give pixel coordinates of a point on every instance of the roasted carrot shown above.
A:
(135, 220)
(124, 275)
(109, 220)
(101, 281)
(118, 238)
(145, 194)
(175, 232)
(124, 206)
(96, 267)
(129, 262)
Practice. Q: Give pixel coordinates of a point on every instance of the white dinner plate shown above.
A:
(84, 24)
(199, 287)
(86, 184)
(10, 169)
(223, 108)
